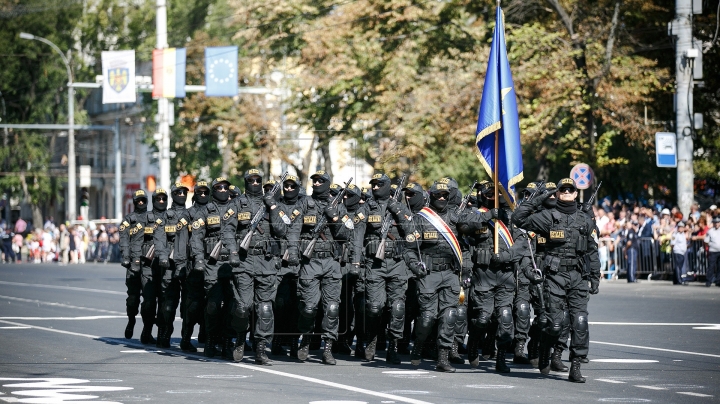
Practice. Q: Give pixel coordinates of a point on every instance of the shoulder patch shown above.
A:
(284, 217)
(348, 223)
(410, 238)
(228, 214)
(183, 221)
(295, 213)
(158, 221)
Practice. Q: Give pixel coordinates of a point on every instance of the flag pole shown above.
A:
(495, 183)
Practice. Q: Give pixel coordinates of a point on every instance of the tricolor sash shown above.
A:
(439, 224)
(502, 229)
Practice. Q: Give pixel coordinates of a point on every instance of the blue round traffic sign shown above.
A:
(583, 175)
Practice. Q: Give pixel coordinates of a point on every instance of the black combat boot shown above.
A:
(342, 346)
(534, 352)
(210, 349)
(488, 347)
(455, 357)
(238, 351)
(167, 337)
(556, 363)
(293, 347)
(500, 365)
(584, 360)
(327, 357)
(544, 359)
(228, 348)
(473, 351)
(146, 336)
(370, 349)
(160, 337)
(261, 357)
(185, 343)
(304, 349)
(130, 327)
(416, 354)
(575, 376)
(443, 364)
(202, 335)
(520, 357)
(391, 355)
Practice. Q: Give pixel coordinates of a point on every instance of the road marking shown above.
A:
(690, 393)
(223, 376)
(713, 327)
(14, 328)
(188, 391)
(140, 351)
(655, 324)
(650, 387)
(610, 381)
(624, 400)
(409, 392)
(338, 402)
(624, 360)
(656, 349)
(39, 285)
(56, 390)
(61, 318)
(490, 386)
(68, 306)
(405, 372)
(388, 395)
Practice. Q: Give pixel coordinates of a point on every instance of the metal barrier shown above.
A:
(652, 261)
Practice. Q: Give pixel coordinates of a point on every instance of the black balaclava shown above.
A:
(137, 196)
(219, 196)
(321, 191)
(234, 192)
(202, 199)
(439, 205)
(550, 203)
(385, 186)
(158, 205)
(566, 207)
(253, 190)
(179, 200)
(291, 196)
(417, 201)
(352, 198)
(455, 194)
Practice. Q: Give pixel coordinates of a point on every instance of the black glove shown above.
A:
(496, 259)
(394, 206)
(126, 263)
(354, 269)
(234, 259)
(594, 286)
(466, 282)
(269, 200)
(535, 277)
(135, 266)
(199, 265)
(419, 269)
(293, 258)
(540, 198)
(164, 263)
(332, 212)
(490, 214)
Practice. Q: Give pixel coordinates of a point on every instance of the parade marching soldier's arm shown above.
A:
(358, 248)
(182, 239)
(125, 240)
(413, 246)
(228, 229)
(593, 261)
(162, 250)
(293, 234)
(279, 228)
(197, 238)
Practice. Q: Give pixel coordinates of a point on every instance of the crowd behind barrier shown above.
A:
(622, 227)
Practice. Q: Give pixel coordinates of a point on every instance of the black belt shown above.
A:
(568, 262)
(256, 251)
(323, 254)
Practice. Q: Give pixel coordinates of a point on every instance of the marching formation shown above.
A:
(388, 267)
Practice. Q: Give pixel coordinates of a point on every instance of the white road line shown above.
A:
(650, 387)
(624, 360)
(14, 328)
(656, 349)
(690, 393)
(61, 318)
(140, 351)
(331, 384)
(39, 285)
(610, 381)
(67, 306)
(240, 365)
(653, 324)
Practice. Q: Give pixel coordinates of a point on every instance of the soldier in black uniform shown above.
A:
(286, 299)
(172, 241)
(571, 261)
(254, 281)
(352, 299)
(136, 232)
(193, 304)
(385, 279)
(320, 276)
(438, 269)
(215, 251)
(159, 206)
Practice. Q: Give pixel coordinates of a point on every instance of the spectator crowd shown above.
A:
(64, 243)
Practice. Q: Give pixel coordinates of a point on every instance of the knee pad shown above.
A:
(450, 317)
(505, 317)
(580, 325)
(461, 323)
(482, 321)
(307, 311)
(168, 307)
(265, 311)
(238, 310)
(397, 310)
(330, 322)
(424, 326)
(556, 323)
(523, 312)
(374, 310)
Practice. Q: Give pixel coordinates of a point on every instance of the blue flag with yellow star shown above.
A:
(498, 116)
(221, 71)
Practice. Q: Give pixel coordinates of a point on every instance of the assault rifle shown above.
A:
(464, 202)
(387, 221)
(588, 205)
(322, 222)
(245, 243)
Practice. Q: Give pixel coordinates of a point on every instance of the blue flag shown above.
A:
(498, 114)
(221, 78)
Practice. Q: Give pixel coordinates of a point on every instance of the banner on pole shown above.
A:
(118, 76)
(169, 73)
(221, 79)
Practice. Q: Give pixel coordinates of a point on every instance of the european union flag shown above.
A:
(221, 78)
(498, 115)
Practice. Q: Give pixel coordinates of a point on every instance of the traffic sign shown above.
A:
(666, 149)
(583, 175)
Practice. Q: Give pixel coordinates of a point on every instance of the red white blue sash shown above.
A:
(439, 224)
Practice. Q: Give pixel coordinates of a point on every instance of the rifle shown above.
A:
(387, 222)
(322, 222)
(464, 202)
(588, 205)
(215, 253)
(245, 243)
(539, 186)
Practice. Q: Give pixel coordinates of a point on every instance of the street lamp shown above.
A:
(72, 214)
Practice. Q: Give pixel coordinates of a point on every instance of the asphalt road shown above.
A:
(61, 340)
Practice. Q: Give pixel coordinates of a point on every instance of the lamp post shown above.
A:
(72, 214)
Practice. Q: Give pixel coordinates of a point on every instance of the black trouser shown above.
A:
(9, 253)
(218, 291)
(438, 295)
(286, 301)
(493, 305)
(522, 315)
(347, 308)
(385, 286)
(140, 284)
(172, 287)
(713, 267)
(566, 296)
(193, 300)
(679, 262)
(254, 288)
(320, 282)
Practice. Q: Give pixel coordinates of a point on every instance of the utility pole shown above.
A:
(118, 173)
(685, 55)
(163, 119)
